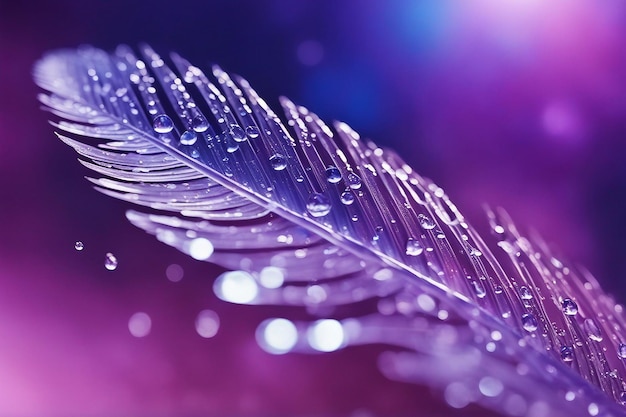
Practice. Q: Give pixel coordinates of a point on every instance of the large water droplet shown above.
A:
(333, 175)
(529, 322)
(199, 124)
(354, 181)
(567, 354)
(318, 205)
(621, 350)
(426, 222)
(110, 261)
(252, 132)
(189, 137)
(231, 144)
(79, 245)
(570, 307)
(278, 162)
(347, 197)
(162, 124)
(413, 247)
(592, 329)
(238, 133)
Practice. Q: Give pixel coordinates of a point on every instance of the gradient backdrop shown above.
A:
(519, 103)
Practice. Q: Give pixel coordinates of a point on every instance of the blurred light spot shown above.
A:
(425, 302)
(139, 324)
(326, 335)
(490, 387)
(310, 53)
(236, 287)
(271, 277)
(174, 272)
(562, 121)
(277, 336)
(207, 323)
(457, 395)
(200, 249)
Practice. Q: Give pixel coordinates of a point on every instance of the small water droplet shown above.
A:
(318, 205)
(252, 132)
(413, 247)
(354, 181)
(278, 162)
(110, 261)
(621, 350)
(199, 124)
(162, 124)
(570, 307)
(593, 331)
(79, 245)
(498, 289)
(238, 133)
(567, 354)
(333, 175)
(189, 137)
(529, 323)
(347, 197)
(479, 289)
(354, 218)
(622, 397)
(231, 145)
(426, 222)
(525, 293)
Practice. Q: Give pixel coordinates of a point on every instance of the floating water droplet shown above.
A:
(621, 350)
(174, 272)
(354, 181)
(426, 222)
(79, 245)
(318, 205)
(529, 323)
(525, 293)
(252, 132)
(593, 331)
(333, 175)
(207, 323)
(570, 307)
(278, 162)
(139, 324)
(162, 124)
(199, 124)
(231, 145)
(238, 133)
(567, 354)
(189, 137)
(413, 247)
(347, 197)
(110, 261)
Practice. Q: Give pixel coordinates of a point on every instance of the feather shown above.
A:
(317, 216)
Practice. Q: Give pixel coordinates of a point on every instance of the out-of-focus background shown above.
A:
(518, 103)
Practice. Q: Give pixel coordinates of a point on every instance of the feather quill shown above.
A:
(320, 217)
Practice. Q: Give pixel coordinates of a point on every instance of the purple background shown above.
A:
(518, 103)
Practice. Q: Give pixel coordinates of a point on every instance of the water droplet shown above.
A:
(162, 124)
(79, 245)
(622, 397)
(570, 307)
(189, 137)
(110, 261)
(278, 162)
(199, 124)
(139, 324)
(593, 331)
(231, 145)
(413, 247)
(529, 323)
(567, 354)
(426, 222)
(498, 289)
(207, 323)
(238, 133)
(479, 289)
(252, 132)
(318, 205)
(347, 197)
(525, 293)
(333, 175)
(621, 350)
(354, 181)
